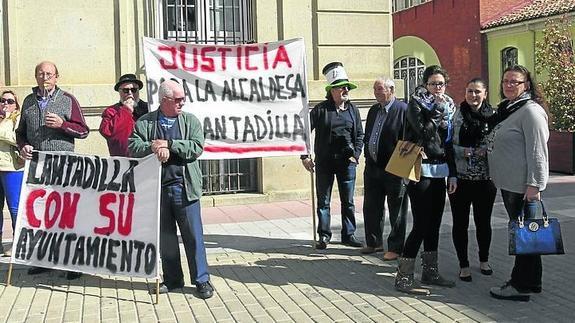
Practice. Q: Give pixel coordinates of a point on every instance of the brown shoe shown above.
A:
(390, 255)
(369, 250)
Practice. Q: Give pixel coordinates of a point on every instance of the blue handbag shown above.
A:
(535, 236)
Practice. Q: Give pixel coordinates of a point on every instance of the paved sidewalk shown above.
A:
(264, 269)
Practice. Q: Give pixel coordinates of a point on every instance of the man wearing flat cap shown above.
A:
(118, 119)
(337, 146)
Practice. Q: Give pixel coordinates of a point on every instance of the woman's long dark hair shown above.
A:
(534, 90)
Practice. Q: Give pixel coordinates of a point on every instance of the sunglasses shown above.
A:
(7, 101)
(436, 84)
(128, 90)
(343, 88)
(176, 100)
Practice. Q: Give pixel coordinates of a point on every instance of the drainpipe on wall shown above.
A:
(534, 46)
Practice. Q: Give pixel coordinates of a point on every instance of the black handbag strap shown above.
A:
(419, 142)
(404, 124)
(521, 217)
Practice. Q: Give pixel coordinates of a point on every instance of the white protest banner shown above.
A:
(97, 215)
(251, 99)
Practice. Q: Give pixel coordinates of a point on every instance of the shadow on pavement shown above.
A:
(343, 270)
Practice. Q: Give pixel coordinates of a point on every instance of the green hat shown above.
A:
(336, 76)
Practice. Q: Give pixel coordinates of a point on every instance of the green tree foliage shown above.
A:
(554, 58)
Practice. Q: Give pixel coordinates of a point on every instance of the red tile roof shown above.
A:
(531, 10)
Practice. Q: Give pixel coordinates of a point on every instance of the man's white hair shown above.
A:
(167, 89)
(387, 82)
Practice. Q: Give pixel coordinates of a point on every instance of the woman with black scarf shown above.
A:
(471, 124)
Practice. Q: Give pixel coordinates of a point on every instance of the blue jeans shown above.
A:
(10, 184)
(344, 172)
(527, 270)
(174, 208)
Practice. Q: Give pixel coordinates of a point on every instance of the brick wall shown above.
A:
(451, 27)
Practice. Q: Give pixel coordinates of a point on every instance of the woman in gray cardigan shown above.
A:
(519, 167)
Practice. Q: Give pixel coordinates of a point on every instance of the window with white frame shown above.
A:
(410, 70)
(208, 21)
(214, 22)
(397, 5)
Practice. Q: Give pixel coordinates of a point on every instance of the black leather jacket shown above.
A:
(430, 128)
(320, 120)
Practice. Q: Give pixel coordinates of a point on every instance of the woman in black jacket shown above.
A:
(429, 116)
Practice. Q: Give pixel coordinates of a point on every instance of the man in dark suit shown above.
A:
(383, 128)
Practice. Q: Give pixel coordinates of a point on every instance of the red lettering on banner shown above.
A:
(266, 56)
(53, 199)
(172, 51)
(69, 210)
(106, 199)
(244, 150)
(244, 56)
(248, 50)
(194, 66)
(56, 207)
(281, 56)
(125, 213)
(223, 51)
(208, 65)
(32, 196)
(125, 225)
(239, 58)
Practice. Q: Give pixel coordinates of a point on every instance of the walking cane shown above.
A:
(9, 277)
(313, 206)
(157, 291)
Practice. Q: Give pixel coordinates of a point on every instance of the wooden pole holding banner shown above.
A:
(159, 198)
(313, 206)
(9, 278)
(157, 291)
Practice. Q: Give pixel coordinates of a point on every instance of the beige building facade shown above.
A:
(94, 42)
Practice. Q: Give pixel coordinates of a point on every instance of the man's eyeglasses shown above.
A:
(513, 83)
(176, 100)
(436, 84)
(7, 101)
(45, 75)
(131, 89)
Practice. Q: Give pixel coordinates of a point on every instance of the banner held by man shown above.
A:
(250, 98)
(91, 214)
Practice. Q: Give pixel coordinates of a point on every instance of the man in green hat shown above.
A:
(337, 146)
